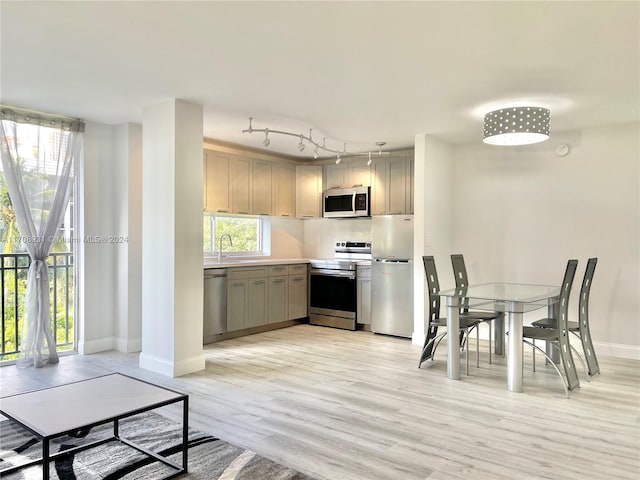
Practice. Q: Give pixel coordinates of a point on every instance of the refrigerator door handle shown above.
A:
(353, 202)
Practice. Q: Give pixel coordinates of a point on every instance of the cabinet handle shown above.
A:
(296, 279)
(307, 216)
(279, 280)
(284, 214)
(238, 284)
(258, 282)
(263, 214)
(243, 213)
(395, 213)
(223, 211)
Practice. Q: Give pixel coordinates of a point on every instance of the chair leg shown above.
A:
(564, 382)
(533, 354)
(477, 346)
(584, 365)
(426, 346)
(490, 334)
(467, 350)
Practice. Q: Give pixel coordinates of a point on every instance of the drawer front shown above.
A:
(277, 270)
(298, 269)
(246, 272)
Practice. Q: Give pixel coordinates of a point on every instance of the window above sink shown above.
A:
(250, 236)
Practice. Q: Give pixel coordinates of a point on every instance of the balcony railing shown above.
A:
(13, 282)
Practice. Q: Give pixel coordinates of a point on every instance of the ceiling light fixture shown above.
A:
(516, 126)
(316, 146)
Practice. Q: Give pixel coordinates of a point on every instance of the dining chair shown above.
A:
(558, 336)
(580, 328)
(432, 340)
(462, 282)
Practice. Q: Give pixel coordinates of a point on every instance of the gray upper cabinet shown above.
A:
(216, 182)
(359, 173)
(261, 187)
(308, 191)
(392, 185)
(284, 190)
(347, 174)
(239, 185)
(335, 176)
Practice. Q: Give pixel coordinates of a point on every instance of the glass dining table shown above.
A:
(514, 299)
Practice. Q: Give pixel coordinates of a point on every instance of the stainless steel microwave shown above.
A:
(346, 202)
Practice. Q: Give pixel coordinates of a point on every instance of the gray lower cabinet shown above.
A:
(363, 296)
(278, 299)
(298, 291)
(246, 298)
(263, 295)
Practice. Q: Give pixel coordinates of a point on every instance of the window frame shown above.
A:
(263, 236)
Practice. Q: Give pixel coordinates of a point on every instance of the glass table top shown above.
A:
(506, 297)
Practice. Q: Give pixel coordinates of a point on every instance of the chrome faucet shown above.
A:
(220, 245)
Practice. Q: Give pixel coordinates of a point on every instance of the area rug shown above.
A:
(209, 457)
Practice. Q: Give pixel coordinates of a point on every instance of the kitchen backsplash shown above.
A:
(321, 234)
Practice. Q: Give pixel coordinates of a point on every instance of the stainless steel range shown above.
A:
(333, 285)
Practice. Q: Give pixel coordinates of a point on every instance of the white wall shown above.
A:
(287, 238)
(521, 212)
(98, 214)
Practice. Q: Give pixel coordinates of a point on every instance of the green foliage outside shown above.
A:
(244, 233)
(14, 280)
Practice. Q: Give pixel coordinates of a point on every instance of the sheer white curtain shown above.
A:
(38, 153)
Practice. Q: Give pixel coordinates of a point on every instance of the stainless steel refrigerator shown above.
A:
(392, 275)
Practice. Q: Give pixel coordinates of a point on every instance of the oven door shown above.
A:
(332, 298)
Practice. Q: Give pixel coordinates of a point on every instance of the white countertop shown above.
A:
(252, 262)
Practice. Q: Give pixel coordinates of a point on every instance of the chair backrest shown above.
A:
(583, 318)
(563, 332)
(433, 286)
(462, 281)
(583, 304)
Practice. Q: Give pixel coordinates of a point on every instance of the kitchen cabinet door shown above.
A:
(284, 190)
(236, 304)
(308, 191)
(261, 187)
(216, 173)
(379, 186)
(335, 176)
(359, 173)
(257, 302)
(239, 183)
(363, 308)
(278, 299)
(397, 186)
(298, 296)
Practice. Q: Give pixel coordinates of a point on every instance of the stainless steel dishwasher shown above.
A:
(215, 303)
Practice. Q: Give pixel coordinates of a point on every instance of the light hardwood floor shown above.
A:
(345, 405)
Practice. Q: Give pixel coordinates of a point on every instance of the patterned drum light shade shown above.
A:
(516, 126)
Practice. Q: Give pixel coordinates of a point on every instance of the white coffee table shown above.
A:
(57, 411)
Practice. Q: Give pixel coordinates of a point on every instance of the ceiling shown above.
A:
(354, 72)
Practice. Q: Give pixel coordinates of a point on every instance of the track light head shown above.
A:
(338, 159)
(301, 145)
(266, 142)
(369, 161)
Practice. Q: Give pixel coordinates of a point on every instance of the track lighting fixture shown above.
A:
(316, 146)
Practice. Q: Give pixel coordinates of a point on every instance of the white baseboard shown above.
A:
(169, 368)
(94, 346)
(617, 350)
